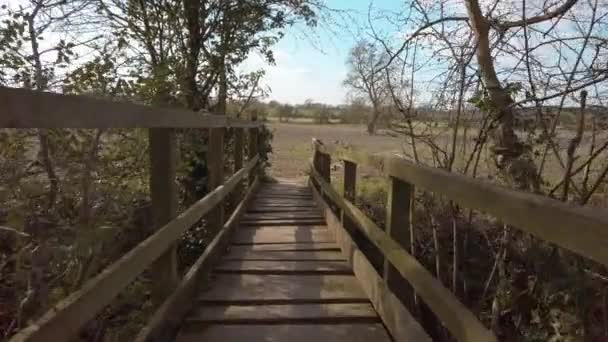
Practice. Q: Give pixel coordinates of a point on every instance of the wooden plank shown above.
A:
(283, 205)
(285, 215)
(284, 197)
(284, 313)
(285, 191)
(456, 317)
(22, 108)
(64, 319)
(275, 267)
(281, 235)
(396, 317)
(164, 195)
(168, 316)
(287, 246)
(306, 197)
(291, 333)
(269, 288)
(284, 202)
(249, 254)
(286, 187)
(271, 209)
(297, 222)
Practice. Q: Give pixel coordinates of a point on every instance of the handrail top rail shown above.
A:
(23, 108)
(583, 230)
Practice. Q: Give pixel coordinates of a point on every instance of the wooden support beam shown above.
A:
(399, 212)
(253, 147)
(163, 191)
(321, 160)
(215, 168)
(350, 180)
(238, 162)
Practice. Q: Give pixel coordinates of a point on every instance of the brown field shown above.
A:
(292, 144)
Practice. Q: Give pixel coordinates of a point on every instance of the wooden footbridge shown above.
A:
(294, 261)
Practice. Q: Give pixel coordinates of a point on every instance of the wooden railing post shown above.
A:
(253, 147)
(350, 180)
(238, 162)
(321, 161)
(163, 191)
(400, 206)
(215, 167)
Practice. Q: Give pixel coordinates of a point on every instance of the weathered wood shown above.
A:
(22, 108)
(64, 320)
(321, 161)
(291, 333)
(284, 215)
(281, 235)
(579, 229)
(286, 313)
(284, 203)
(262, 209)
(215, 169)
(164, 322)
(276, 267)
(275, 289)
(163, 191)
(350, 180)
(244, 254)
(286, 222)
(287, 246)
(253, 145)
(238, 161)
(399, 211)
(284, 196)
(461, 322)
(396, 317)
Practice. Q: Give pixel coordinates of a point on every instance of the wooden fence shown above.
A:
(28, 109)
(579, 229)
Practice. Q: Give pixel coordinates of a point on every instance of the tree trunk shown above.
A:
(371, 125)
(508, 151)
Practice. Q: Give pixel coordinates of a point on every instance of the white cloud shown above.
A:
(296, 78)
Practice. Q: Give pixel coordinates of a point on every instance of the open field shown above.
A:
(292, 147)
(292, 144)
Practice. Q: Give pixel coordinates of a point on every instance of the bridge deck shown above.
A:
(284, 279)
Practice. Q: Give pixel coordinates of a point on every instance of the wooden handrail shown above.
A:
(459, 320)
(579, 229)
(22, 108)
(394, 313)
(64, 320)
(166, 319)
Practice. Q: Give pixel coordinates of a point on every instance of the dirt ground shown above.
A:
(292, 144)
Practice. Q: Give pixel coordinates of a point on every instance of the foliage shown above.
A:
(76, 200)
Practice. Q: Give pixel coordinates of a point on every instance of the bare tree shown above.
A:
(364, 63)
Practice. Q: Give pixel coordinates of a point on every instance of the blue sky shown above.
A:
(310, 63)
(313, 66)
